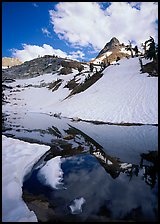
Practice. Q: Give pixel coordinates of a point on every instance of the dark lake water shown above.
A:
(105, 172)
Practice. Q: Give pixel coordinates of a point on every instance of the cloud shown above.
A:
(135, 5)
(35, 5)
(88, 23)
(119, 196)
(45, 31)
(77, 54)
(30, 52)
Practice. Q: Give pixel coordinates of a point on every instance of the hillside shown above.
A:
(121, 94)
(40, 66)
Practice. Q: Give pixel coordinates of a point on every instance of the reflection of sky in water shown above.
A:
(83, 174)
(84, 177)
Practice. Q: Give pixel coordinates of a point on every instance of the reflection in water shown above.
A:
(150, 171)
(114, 188)
(124, 142)
(105, 199)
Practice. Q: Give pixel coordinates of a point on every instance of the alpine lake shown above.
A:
(114, 168)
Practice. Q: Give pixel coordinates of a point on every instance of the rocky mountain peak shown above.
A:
(113, 44)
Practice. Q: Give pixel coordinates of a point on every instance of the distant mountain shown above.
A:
(112, 51)
(9, 62)
(42, 65)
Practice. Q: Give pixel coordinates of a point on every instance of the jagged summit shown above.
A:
(113, 44)
(114, 40)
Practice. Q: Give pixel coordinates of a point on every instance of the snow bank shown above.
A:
(18, 157)
(4, 67)
(123, 50)
(76, 206)
(51, 174)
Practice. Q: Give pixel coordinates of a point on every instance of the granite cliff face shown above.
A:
(9, 62)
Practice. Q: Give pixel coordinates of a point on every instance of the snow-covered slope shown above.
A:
(121, 95)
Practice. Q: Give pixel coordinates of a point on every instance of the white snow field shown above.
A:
(18, 157)
(122, 95)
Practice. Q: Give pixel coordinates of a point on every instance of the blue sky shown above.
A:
(22, 22)
(76, 30)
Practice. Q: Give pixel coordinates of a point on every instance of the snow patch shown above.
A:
(100, 59)
(4, 67)
(123, 50)
(109, 162)
(145, 61)
(100, 156)
(125, 165)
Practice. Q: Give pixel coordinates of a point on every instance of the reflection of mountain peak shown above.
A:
(109, 163)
